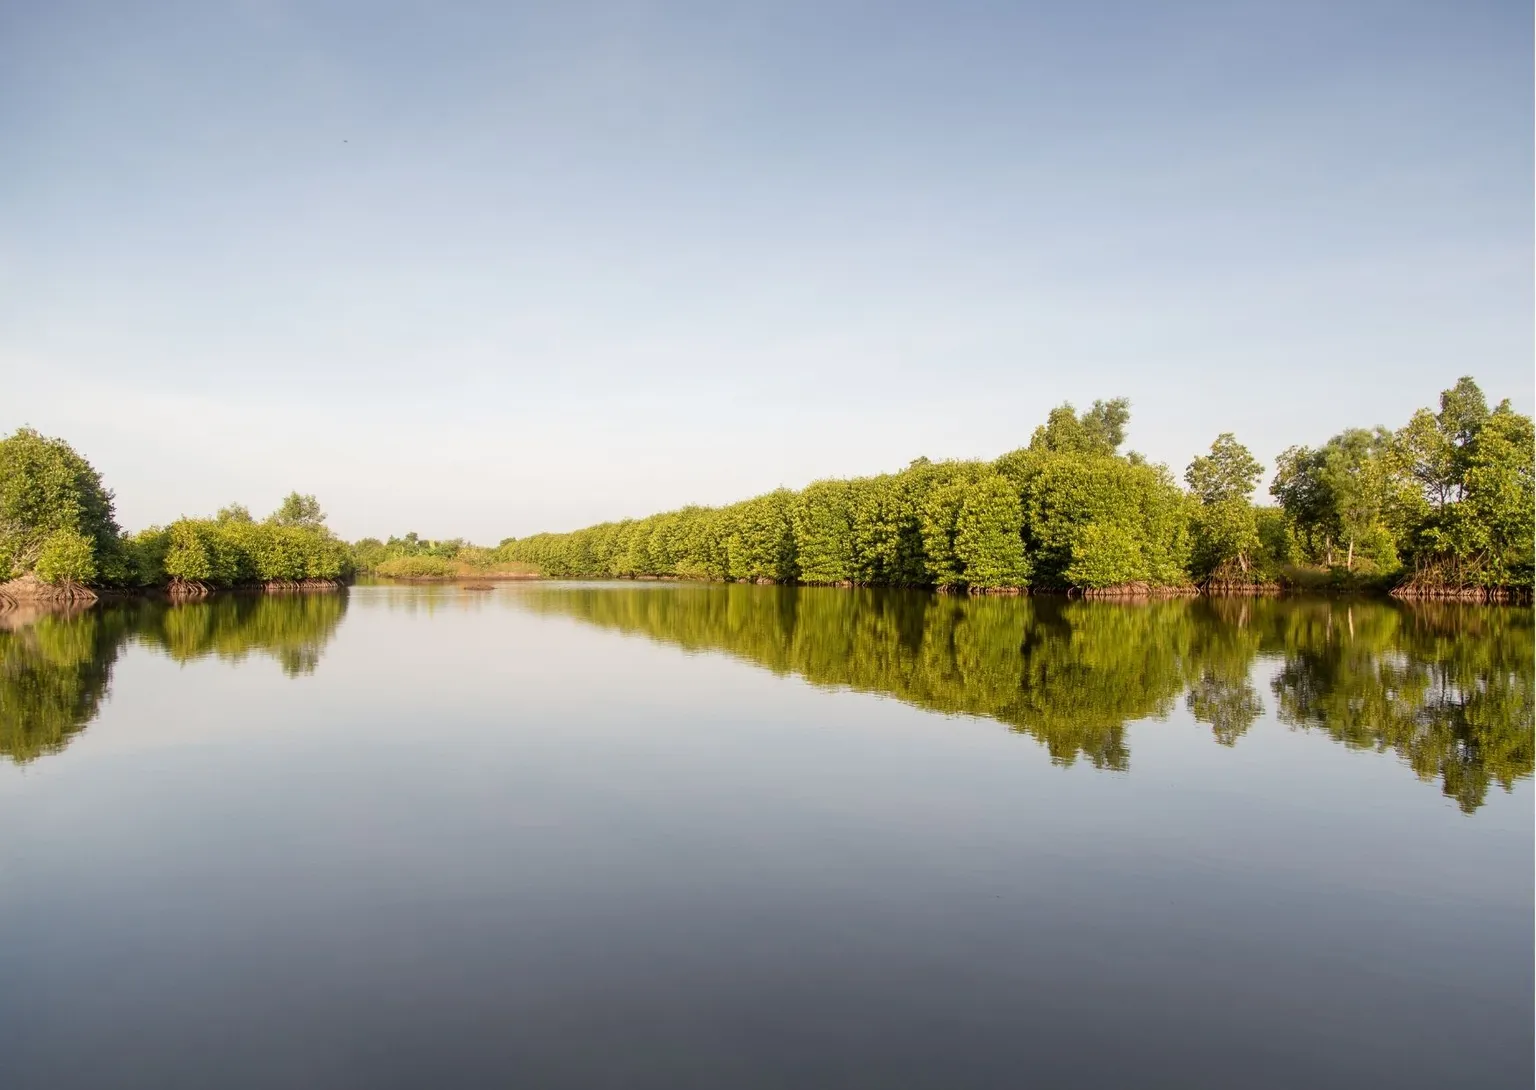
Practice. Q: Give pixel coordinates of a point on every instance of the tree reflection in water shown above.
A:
(56, 667)
(1446, 688)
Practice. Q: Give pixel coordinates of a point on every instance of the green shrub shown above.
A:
(66, 556)
(417, 567)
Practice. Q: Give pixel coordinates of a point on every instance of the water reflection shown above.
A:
(1446, 688)
(56, 667)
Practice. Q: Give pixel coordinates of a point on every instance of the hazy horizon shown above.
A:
(494, 270)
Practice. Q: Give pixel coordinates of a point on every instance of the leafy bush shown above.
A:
(1105, 554)
(417, 567)
(66, 556)
(46, 488)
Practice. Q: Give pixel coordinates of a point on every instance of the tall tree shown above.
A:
(1229, 472)
(1226, 525)
(1436, 448)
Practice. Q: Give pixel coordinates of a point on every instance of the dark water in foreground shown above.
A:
(689, 836)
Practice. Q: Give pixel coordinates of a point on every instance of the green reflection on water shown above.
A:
(1448, 688)
(55, 668)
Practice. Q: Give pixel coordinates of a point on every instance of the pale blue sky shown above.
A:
(493, 269)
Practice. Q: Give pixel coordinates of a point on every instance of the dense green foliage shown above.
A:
(57, 524)
(1025, 519)
(1444, 503)
(1448, 688)
(55, 669)
(1226, 524)
(233, 550)
(416, 567)
(54, 511)
(1449, 496)
(370, 553)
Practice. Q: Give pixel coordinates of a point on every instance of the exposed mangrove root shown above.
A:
(1219, 585)
(1134, 592)
(30, 589)
(282, 586)
(1235, 589)
(186, 589)
(1236, 578)
(1447, 579)
(1434, 592)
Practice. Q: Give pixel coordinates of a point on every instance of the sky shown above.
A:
(484, 269)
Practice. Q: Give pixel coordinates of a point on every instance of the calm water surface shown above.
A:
(705, 836)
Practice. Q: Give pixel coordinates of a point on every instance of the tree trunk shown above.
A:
(1349, 564)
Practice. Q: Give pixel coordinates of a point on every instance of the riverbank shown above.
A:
(1321, 588)
(31, 594)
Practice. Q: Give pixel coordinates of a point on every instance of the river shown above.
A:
(672, 835)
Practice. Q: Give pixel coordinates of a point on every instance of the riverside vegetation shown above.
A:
(1441, 507)
(59, 536)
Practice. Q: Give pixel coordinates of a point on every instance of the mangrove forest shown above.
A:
(1441, 507)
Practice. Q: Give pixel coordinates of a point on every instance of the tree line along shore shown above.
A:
(1440, 507)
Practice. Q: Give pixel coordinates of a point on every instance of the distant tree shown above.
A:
(297, 510)
(235, 512)
(1105, 422)
(1100, 430)
(1229, 472)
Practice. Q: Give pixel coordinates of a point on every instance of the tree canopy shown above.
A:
(1448, 497)
(54, 510)
(1442, 504)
